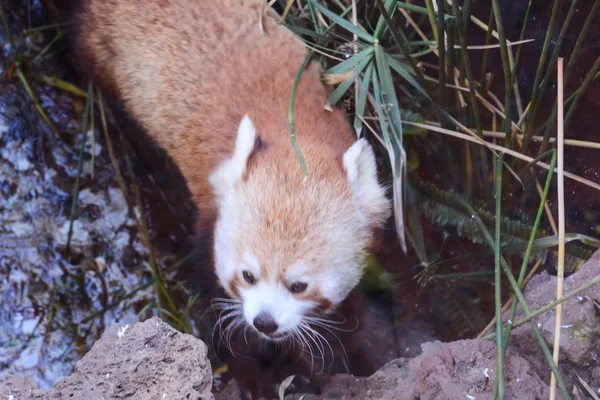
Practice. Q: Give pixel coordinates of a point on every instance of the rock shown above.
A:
(458, 370)
(579, 340)
(149, 360)
(16, 388)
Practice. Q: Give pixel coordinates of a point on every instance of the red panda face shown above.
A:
(290, 248)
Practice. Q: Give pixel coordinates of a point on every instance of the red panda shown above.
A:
(210, 82)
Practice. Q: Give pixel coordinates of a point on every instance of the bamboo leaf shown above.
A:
(343, 23)
(406, 74)
(362, 99)
(390, 6)
(382, 121)
(394, 143)
(345, 85)
(389, 92)
(345, 66)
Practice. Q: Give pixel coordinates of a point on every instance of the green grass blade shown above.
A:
(343, 23)
(87, 112)
(291, 112)
(418, 10)
(62, 85)
(34, 99)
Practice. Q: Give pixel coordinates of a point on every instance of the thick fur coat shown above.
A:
(210, 82)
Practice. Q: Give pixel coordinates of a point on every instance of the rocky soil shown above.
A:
(150, 360)
(146, 360)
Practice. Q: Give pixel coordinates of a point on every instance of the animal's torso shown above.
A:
(213, 89)
(189, 70)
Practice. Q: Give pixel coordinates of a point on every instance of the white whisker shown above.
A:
(339, 341)
(308, 348)
(229, 311)
(330, 324)
(313, 335)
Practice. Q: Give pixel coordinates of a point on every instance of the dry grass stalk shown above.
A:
(496, 147)
(561, 221)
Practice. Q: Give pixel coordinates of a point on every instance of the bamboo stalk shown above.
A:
(584, 86)
(510, 301)
(467, 65)
(507, 71)
(561, 223)
(541, 90)
(499, 384)
(550, 306)
(538, 218)
(399, 38)
(488, 39)
(521, 36)
(520, 297)
(581, 39)
(442, 52)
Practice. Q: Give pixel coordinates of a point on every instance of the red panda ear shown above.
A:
(361, 172)
(231, 171)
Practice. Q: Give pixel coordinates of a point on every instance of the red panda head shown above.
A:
(289, 248)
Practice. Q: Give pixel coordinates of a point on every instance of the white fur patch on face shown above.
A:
(335, 284)
(361, 170)
(299, 272)
(276, 300)
(251, 263)
(224, 178)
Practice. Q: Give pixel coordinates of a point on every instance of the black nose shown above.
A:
(265, 323)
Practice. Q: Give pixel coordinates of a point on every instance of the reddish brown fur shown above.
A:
(189, 70)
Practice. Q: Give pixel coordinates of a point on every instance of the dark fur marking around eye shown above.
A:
(298, 287)
(249, 277)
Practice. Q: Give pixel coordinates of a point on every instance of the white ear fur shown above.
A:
(361, 171)
(231, 171)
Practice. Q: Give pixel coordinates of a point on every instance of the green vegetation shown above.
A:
(419, 86)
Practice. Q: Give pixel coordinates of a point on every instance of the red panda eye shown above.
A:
(298, 287)
(249, 277)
